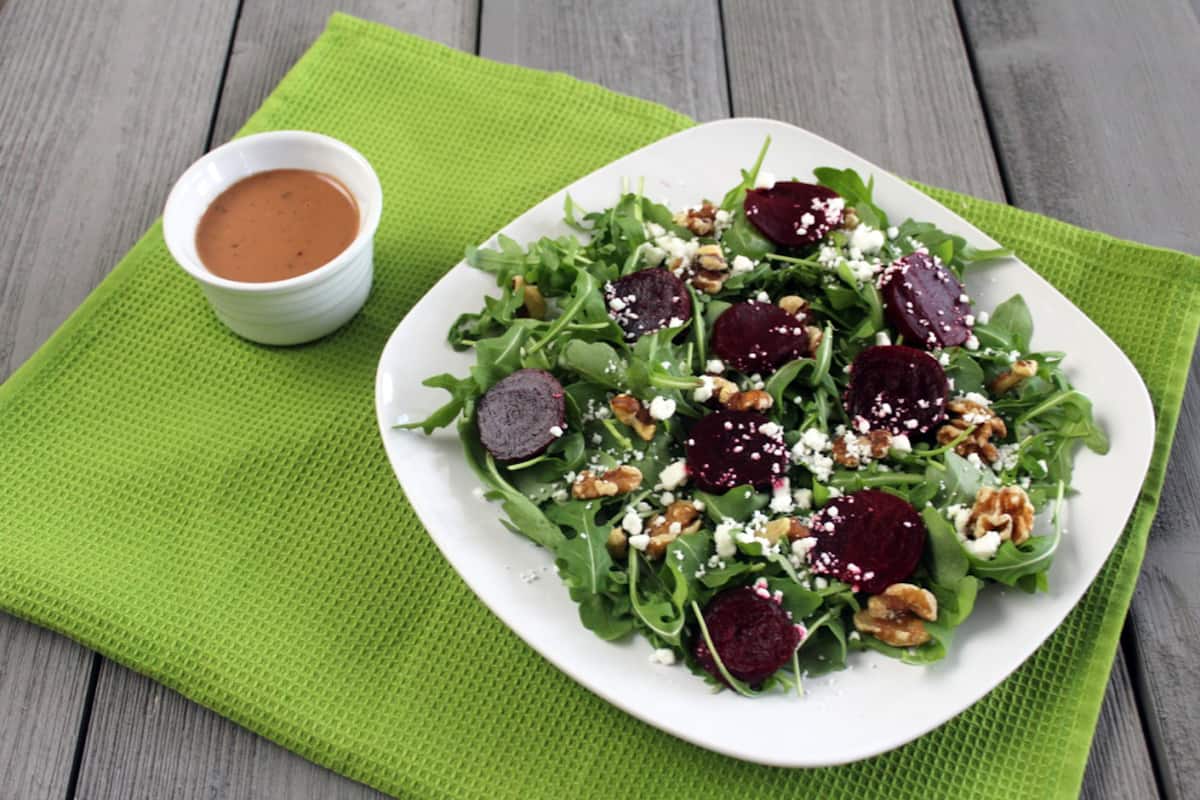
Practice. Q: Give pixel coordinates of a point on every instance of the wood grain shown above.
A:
(667, 51)
(890, 81)
(1119, 763)
(1094, 108)
(43, 683)
(919, 116)
(273, 34)
(100, 107)
(103, 105)
(146, 741)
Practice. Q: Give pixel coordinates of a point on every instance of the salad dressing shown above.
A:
(275, 225)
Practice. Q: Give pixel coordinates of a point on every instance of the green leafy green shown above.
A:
(624, 554)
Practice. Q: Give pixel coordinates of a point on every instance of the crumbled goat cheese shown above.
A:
(680, 252)
(664, 656)
(673, 475)
(982, 317)
(715, 366)
(801, 547)
(901, 444)
(810, 450)
(893, 232)
(803, 498)
(866, 239)
(765, 180)
(742, 264)
(640, 542)
(704, 392)
(972, 342)
(781, 497)
(882, 338)
(723, 539)
(652, 255)
(662, 408)
(556, 431)
(985, 546)
(631, 522)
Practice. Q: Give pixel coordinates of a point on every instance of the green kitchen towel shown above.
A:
(221, 517)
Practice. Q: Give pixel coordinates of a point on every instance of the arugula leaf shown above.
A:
(948, 559)
(583, 560)
(656, 608)
(848, 184)
(738, 503)
(499, 357)
(462, 390)
(734, 197)
(606, 616)
(524, 516)
(1012, 317)
(598, 362)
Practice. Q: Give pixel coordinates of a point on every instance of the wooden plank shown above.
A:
(145, 740)
(273, 34)
(668, 51)
(90, 138)
(1094, 107)
(43, 683)
(1119, 763)
(913, 109)
(890, 81)
(102, 107)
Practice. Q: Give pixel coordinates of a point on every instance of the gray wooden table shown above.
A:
(1084, 110)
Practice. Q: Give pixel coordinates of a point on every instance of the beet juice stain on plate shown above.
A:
(275, 225)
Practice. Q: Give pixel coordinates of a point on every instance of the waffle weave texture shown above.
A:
(221, 517)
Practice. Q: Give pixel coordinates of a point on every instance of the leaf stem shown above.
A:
(733, 682)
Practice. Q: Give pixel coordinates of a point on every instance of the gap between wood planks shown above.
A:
(1125, 647)
(89, 698)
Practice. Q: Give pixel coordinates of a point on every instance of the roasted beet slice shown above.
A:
(647, 301)
(734, 448)
(752, 634)
(868, 539)
(794, 214)
(925, 302)
(521, 415)
(896, 388)
(758, 337)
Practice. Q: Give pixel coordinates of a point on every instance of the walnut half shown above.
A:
(1007, 511)
(896, 616)
(678, 519)
(629, 411)
(985, 422)
(621, 480)
(1007, 381)
(876, 443)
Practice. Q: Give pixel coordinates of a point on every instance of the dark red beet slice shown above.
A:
(521, 415)
(896, 388)
(868, 539)
(794, 214)
(925, 302)
(758, 337)
(647, 301)
(752, 634)
(734, 448)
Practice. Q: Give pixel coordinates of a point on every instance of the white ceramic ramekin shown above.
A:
(298, 309)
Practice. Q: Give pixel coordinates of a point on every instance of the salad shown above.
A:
(766, 432)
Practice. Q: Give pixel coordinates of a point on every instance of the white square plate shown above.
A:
(879, 703)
